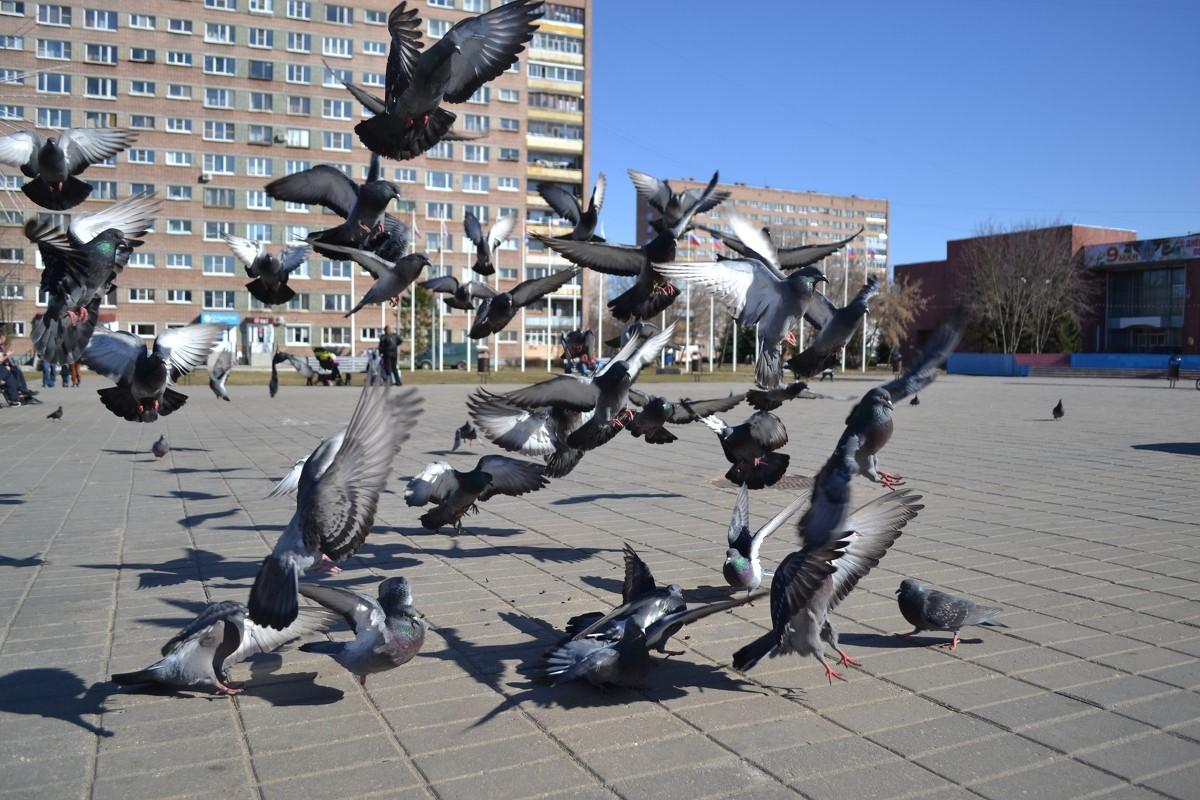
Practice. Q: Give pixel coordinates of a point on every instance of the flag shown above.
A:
(692, 240)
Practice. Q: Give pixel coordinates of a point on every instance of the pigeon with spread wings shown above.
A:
(461, 294)
(673, 207)
(454, 493)
(269, 270)
(656, 412)
(486, 246)
(531, 432)
(51, 164)
(750, 447)
(501, 308)
(567, 206)
(789, 257)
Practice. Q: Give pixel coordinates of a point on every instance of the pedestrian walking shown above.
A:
(47, 374)
(1173, 370)
(389, 352)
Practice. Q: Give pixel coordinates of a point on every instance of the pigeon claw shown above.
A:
(831, 673)
(326, 564)
(847, 661)
(227, 690)
(890, 480)
(790, 338)
(953, 643)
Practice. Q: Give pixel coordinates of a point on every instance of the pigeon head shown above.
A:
(736, 560)
(814, 273)
(394, 594)
(880, 397)
(909, 587)
(675, 590)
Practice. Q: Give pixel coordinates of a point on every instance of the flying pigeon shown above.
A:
(657, 411)
(409, 119)
(742, 568)
(391, 277)
(650, 292)
(758, 293)
(201, 655)
(51, 164)
(144, 377)
(771, 399)
(501, 308)
(931, 610)
(300, 365)
(455, 494)
(601, 662)
(673, 206)
(218, 375)
(606, 393)
(871, 418)
(530, 432)
(810, 582)
(338, 493)
(789, 257)
(161, 447)
(55, 414)
(750, 447)
(1058, 410)
(367, 226)
(270, 271)
(837, 326)
(461, 294)
(388, 632)
(464, 433)
(567, 206)
(485, 248)
(81, 264)
(643, 329)
(273, 383)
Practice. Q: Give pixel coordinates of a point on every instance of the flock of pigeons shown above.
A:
(338, 485)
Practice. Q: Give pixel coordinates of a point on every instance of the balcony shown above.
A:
(555, 56)
(559, 174)
(554, 115)
(558, 87)
(553, 144)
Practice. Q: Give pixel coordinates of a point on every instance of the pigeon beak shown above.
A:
(821, 279)
(897, 591)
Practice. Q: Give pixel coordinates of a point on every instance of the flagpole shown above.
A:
(712, 317)
(662, 356)
(845, 290)
(863, 365)
(733, 324)
(496, 286)
(524, 258)
(549, 302)
(353, 317)
(412, 306)
(687, 325)
(441, 311)
(470, 316)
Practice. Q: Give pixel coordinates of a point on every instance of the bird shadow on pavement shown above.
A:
(10, 500)
(146, 452)
(287, 688)
(610, 585)
(385, 550)
(1175, 448)
(182, 494)
(195, 520)
(195, 470)
(17, 563)
(54, 693)
(588, 498)
(889, 642)
(198, 564)
(468, 530)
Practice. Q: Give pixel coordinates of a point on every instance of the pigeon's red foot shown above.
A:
(227, 690)
(790, 338)
(408, 122)
(141, 409)
(84, 315)
(759, 461)
(362, 681)
(831, 673)
(365, 227)
(847, 661)
(890, 480)
(326, 565)
(953, 643)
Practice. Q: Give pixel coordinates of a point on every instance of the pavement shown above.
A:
(1084, 530)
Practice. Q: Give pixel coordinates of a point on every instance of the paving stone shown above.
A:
(1144, 756)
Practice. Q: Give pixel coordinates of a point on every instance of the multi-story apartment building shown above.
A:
(227, 95)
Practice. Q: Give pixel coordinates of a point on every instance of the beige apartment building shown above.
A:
(228, 95)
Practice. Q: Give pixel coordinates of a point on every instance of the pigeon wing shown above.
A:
(133, 217)
(563, 391)
(695, 409)
(802, 256)
(768, 430)
(562, 201)
(262, 639)
(500, 231)
(732, 280)
(113, 353)
(487, 45)
(473, 231)
(611, 259)
(510, 427)
(775, 522)
(656, 192)
(924, 369)
(358, 610)
(446, 284)
(86, 146)
(435, 483)
(247, 251)
(18, 149)
(796, 579)
(291, 258)
(598, 191)
(321, 185)
(639, 581)
(222, 365)
(739, 523)
(511, 476)
(404, 24)
(873, 528)
(185, 349)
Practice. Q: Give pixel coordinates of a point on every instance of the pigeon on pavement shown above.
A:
(1058, 410)
(161, 447)
(201, 655)
(750, 447)
(218, 374)
(455, 493)
(837, 326)
(500, 308)
(388, 632)
(567, 206)
(270, 271)
(55, 414)
(601, 662)
(336, 499)
(51, 164)
(464, 433)
(916, 401)
(144, 377)
(742, 568)
(758, 294)
(486, 247)
(657, 411)
(771, 399)
(461, 294)
(643, 602)
(409, 119)
(931, 610)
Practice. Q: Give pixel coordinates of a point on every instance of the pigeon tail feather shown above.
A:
(274, 601)
(280, 294)
(383, 134)
(562, 462)
(745, 658)
(324, 647)
(768, 370)
(147, 675)
(73, 193)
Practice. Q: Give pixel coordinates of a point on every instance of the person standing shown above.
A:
(389, 352)
(47, 374)
(64, 371)
(75, 373)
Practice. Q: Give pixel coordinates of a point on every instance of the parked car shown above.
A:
(454, 356)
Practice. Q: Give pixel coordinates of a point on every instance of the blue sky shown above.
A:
(959, 113)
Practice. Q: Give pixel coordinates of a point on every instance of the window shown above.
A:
(441, 150)
(179, 227)
(337, 109)
(218, 198)
(14, 8)
(219, 299)
(299, 42)
(475, 153)
(54, 83)
(179, 125)
(299, 73)
(439, 211)
(261, 134)
(55, 49)
(259, 167)
(100, 54)
(176, 191)
(259, 231)
(297, 137)
(178, 58)
(475, 122)
(141, 295)
(335, 336)
(179, 295)
(557, 43)
(215, 232)
(219, 131)
(102, 88)
(9, 77)
(509, 124)
(261, 37)
(261, 101)
(339, 15)
(141, 88)
(337, 46)
(299, 105)
(507, 183)
(299, 9)
(474, 183)
(179, 91)
(480, 212)
(439, 181)
(97, 20)
(335, 270)
(141, 188)
(262, 6)
(481, 95)
(140, 155)
(262, 71)
(12, 291)
(12, 255)
(555, 72)
(477, 6)
(556, 102)
(335, 140)
(53, 118)
(142, 260)
(296, 334)
(441, 3)
(220, 65)
(104, 190)
(179, 158)
(180, 261)
(218, 265)
(54, 15)
(370, 48)
(510, 96)
(219, 163)
(435, 241)
(438, 28)
(142, 21)
(180, 26)
(374, 79)
(569, 14)
(221, 5)
(12, 217)
(144, 122)
(12, 42)
(146, 330)
(336, 302)
(142, 55)
(405, 175)
(258, 200)
(8, 111)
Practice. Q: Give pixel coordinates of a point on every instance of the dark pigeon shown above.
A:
(486, 246)
(51, 164)
(673, 207)
(656, 412)
(567, 206)
(789, 257)
(461, 294)
(455, 494)
(1058, 410)
(771, 399)
(750, 447)
(269, 270)
(161, 447)
(464, 433)
(837, 326)
(501, 308)
(55, 414)
(931, 610)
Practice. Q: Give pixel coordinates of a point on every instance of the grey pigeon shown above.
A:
(486, 246)
(656, 412)
(273, 383)
(601, 662)
(643, 329)
(161, 447)
(301, 366)
(388, 632)
(871, 418)
(367, 224)
(55, 414)
(409, 119)
(916, 401)
(750, 447)
(531, 432)
(461, 294)
(643, 602)
(218, 374)
(1058, 410)
(742, 568)
(789, 257)
(337, 495)
(144, 377)
(673, 207)
(567, 206)
(454, 493)
(809, 583)
(771, 399)
(837, 326)
(758, 294)
(931, 610)
(650, 293)
(464, 433)
(269, 270)
(80, 265)
(51, 164)
(501, 308)
(201, 655)
(391, 277)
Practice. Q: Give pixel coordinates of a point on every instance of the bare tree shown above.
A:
(895, 309)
